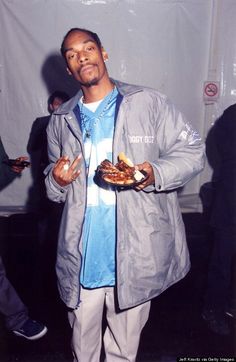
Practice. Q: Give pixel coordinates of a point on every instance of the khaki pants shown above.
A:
(122, 333)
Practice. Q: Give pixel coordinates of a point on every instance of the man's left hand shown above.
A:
(147, 167)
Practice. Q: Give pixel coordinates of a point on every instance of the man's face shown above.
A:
(85, 60)
(55, 104)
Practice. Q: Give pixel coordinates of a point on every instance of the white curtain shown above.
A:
(171, 45)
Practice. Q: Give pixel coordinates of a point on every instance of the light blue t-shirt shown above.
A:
(99, 235)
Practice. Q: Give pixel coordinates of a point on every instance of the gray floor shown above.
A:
(175, 328)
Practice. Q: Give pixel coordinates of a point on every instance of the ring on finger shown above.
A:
(66, 167)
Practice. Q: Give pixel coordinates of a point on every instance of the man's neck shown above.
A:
(96, 92)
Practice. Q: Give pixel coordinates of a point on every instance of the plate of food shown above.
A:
(122, 174)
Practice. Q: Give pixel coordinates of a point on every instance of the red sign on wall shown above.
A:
(211, 90)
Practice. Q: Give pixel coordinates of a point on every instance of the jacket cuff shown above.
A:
(55, 192)
(159, 184)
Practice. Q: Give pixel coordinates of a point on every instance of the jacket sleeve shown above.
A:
(7, 175)
(55, 192)
(182, 152)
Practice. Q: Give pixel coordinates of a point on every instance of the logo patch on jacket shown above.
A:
(141, 139)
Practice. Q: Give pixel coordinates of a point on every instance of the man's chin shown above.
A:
(90, 83)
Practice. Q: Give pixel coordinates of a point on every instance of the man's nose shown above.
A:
(81, 57)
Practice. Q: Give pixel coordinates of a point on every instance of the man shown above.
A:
(118, 247)
(37, 144)
(11, 306)
(220, 298)
(37, 148)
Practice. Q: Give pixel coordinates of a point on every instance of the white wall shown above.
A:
(165, 44)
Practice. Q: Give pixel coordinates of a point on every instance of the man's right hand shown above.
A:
(65, 172)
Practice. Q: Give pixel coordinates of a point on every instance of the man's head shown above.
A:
(93, 35)
(56, 99)
(84, 56)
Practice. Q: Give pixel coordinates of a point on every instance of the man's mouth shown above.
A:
(86, 68)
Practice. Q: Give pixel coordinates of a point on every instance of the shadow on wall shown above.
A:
(56, 78)
(207, 189)
(55, 75)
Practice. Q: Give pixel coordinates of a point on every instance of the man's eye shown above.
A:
(89, 48)
(70, 56)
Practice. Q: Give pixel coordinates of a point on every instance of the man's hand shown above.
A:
(145, 166)
(64, 172)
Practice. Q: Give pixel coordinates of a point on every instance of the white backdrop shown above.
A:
(171, 45)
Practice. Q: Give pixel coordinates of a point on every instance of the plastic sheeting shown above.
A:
(171, 45)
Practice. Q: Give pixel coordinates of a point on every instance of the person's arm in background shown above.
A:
(8, 173)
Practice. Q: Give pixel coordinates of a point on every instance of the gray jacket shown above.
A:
(151, 253)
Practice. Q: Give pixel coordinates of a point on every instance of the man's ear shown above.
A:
(68, 71)
(104, 55)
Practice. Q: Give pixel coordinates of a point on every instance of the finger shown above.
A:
(139, 167)
(75, 175)
(75, 162)
(142, 185)
(59, 160)
(17, 169)
(23, 158)
(63, 159)
(65, 166)
(63, 163)
(149, 181)
(73, 172)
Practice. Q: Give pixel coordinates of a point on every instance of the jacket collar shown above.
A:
(124, 89)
